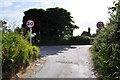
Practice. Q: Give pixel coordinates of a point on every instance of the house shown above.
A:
(86, 33)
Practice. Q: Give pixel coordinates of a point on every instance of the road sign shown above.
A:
(100, 25)
(30, 23)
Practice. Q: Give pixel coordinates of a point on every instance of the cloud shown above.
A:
(20, 0)
(23, 0)
(46, 3)
(5, 4)
(18, 6)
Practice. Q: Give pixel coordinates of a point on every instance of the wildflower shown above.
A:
(2, 52)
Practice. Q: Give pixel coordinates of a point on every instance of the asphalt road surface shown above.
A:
(71, 61)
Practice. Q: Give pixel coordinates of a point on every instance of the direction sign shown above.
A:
(30, 23)
(100, 25)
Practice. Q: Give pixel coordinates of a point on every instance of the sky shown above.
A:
(86, 13)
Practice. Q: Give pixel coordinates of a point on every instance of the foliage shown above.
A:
(22, 32)
(4, 28)
(80, 40)
(16, 52)
(106, 48)
(52, 23)
(74, 40)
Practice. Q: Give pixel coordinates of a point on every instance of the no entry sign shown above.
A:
(100, 25)
(30, 23)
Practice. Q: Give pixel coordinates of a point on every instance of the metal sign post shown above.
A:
(31, 36)
(30, 24)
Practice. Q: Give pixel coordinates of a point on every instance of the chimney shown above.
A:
(89, 29)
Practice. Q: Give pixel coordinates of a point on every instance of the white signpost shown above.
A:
(30, 24)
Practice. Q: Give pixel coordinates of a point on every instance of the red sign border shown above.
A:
(30, 20)
(98, 23)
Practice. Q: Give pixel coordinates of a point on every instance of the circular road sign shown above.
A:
(100, 25)
(30, 23)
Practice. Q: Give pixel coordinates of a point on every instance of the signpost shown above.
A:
(100, 25)
(30, 24)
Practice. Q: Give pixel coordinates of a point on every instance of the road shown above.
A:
(71, 61)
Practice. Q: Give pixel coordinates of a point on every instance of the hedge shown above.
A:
(106, 53)
(16, 53)
(75, 40)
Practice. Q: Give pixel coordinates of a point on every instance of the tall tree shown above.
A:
(52, 23)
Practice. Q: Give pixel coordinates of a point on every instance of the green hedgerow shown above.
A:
(106, 48)
(17, 52)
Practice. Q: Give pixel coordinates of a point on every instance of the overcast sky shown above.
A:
(86, 13)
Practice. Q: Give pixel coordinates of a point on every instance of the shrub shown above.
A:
(80, 40)
(106, 48)
(16, 52)
(75, 40)
(106, 54)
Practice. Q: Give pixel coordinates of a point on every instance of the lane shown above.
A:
(66, 62)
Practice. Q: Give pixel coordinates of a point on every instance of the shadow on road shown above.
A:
(53, 50)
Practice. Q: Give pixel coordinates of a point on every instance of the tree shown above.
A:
(52, 23)
(4, 28)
